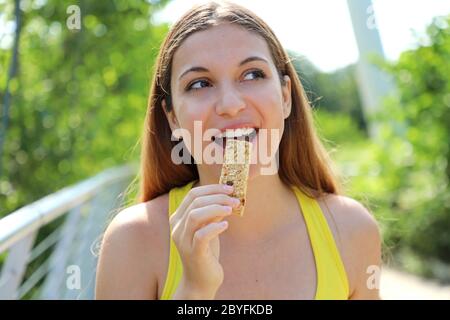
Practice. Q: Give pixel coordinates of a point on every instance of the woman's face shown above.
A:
(224, 77)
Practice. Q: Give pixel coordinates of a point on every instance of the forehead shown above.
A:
(223, 44)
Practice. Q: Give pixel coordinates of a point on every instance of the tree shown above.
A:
(414, 155)
(334, 92)
(80, 97)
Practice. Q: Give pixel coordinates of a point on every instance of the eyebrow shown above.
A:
(203, 69)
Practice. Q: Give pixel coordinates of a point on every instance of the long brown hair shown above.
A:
(303, 160)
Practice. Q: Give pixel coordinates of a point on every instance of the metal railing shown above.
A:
(64, 261)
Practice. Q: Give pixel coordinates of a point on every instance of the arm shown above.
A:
(127, 263)
(359, 242)
(366, 246)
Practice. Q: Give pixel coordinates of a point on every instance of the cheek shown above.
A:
(192, 116)
(191, 110)
(268, 101)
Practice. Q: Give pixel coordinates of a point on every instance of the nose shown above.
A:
(230, 102)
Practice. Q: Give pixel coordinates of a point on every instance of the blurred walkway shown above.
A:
(396, 285)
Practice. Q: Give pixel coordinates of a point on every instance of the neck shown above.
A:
(269, 205)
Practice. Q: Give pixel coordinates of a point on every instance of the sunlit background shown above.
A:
(73, 101)
(322, 30)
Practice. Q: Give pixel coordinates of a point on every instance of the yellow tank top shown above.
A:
(332, 282)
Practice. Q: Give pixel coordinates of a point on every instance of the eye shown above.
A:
(254, 74)
(198, 84)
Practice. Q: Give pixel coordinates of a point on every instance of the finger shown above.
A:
(203, 236)
(197, 218)
(207, 200)
(195, 193)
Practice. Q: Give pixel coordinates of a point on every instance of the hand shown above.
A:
(196, 226)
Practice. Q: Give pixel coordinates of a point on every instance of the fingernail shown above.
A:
(224, 224)
(227, 187)
(236, 202)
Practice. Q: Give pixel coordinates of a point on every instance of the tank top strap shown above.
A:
(332, 282)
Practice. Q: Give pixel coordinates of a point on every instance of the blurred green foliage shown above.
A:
(403, 176)
(80, 97)
(335, 92)
(416, 145)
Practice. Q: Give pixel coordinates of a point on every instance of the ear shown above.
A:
(287, 97)
(170, 115)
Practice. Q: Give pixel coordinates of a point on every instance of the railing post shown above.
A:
(60, 256)
(15, 266)
(89, 231)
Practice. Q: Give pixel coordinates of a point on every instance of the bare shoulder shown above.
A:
(357, 235)
(140, 221)
(131, 252)
(352, 218)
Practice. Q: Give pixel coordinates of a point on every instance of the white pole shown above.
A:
(373, 84)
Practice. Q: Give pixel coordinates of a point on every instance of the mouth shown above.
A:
(246, 134)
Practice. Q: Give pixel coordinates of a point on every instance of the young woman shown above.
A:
(222, 66)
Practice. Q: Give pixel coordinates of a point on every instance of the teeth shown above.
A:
(235, 133)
